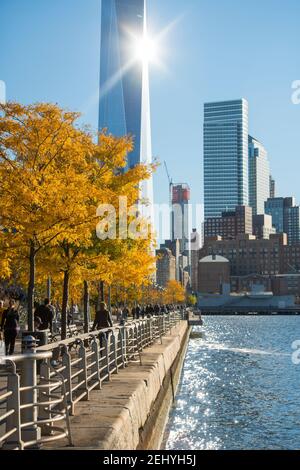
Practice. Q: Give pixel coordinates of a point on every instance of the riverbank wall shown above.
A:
(131, 411)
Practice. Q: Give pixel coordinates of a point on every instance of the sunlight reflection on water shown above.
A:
(239, 389)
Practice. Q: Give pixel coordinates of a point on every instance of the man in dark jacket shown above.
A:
(10, 325)
(103, 318)
(44, 312)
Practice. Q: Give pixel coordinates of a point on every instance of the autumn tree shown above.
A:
(53, 177)
(174, 293)
(43, 157)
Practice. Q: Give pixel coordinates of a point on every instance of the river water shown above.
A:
(239, 387)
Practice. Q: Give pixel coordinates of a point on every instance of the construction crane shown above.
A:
(168, 174)
(170, 197)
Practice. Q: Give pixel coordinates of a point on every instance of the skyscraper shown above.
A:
(259, 176)
(272, 187)
(285, 217)
(180, 228)
(124, 106)
(225, 156)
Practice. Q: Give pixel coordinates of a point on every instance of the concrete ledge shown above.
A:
(115, 418)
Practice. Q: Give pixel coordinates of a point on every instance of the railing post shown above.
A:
(106, 339)
(95, 369)
(45, 392)
(14, 420)
(123, 346)
(67, 375)
(29, 414)
(83, 376)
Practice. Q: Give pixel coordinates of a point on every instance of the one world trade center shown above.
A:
(124, 106)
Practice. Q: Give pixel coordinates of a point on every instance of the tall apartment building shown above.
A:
(259, 176)
(225, 156)
(285, 216)
(165, 267)
(180, 224)
(195, 247)
(230, 224)
(272, 187)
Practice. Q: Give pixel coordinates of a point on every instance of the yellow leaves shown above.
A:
(174, 293)
(53, 176)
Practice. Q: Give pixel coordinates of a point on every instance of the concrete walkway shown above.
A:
(113, 417)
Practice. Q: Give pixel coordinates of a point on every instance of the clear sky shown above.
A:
(218, 49)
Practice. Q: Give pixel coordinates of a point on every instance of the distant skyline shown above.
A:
(217, 50)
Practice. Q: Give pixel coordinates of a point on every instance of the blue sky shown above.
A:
(219, 49)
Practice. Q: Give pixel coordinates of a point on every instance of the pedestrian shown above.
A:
(137, 312)
(1, 310)
(103, 318)
(10, 326)
(156, 309)
(45, 313)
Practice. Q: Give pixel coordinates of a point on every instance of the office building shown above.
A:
(195, 247)
(180, 223)
(230, 224)
(259, 176)
(285, 217)
(272, 187)
(124, 106)
(262, 226)
(165, 267)
(225, 156)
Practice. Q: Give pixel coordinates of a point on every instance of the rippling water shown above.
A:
(240, 388)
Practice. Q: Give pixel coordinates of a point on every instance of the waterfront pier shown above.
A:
(111, 389)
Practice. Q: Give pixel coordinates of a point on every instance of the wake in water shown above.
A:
(224, 347)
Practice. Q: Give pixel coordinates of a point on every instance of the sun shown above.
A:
(146, 49)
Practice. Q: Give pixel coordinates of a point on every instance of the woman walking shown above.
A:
(10, 326)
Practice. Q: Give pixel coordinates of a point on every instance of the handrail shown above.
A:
(59, 375)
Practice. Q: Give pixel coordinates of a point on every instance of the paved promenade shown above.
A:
(113, 417)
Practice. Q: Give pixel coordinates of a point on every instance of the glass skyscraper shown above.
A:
(124, 106)
(285, 217)
(259, 176)
(225, 156)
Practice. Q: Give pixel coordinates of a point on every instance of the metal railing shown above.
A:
(59, 375)
(31, 409)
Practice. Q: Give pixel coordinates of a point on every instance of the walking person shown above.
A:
(45, 313)
(103, 318)
(10, 326)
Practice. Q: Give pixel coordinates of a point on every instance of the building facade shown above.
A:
(124, 105)
(180, 223)
(248, 255)
(214, 272)
(225, 156)
(230, 224)
(285, 217)
(262, 226)
(195, 247)
(259, 176)
(272, 187)
(165, 267)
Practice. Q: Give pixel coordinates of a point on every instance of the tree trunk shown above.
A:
(86, 301)
(48, 290)
(109, 298)
(64, 316)
(102, 291)
(31, 284)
